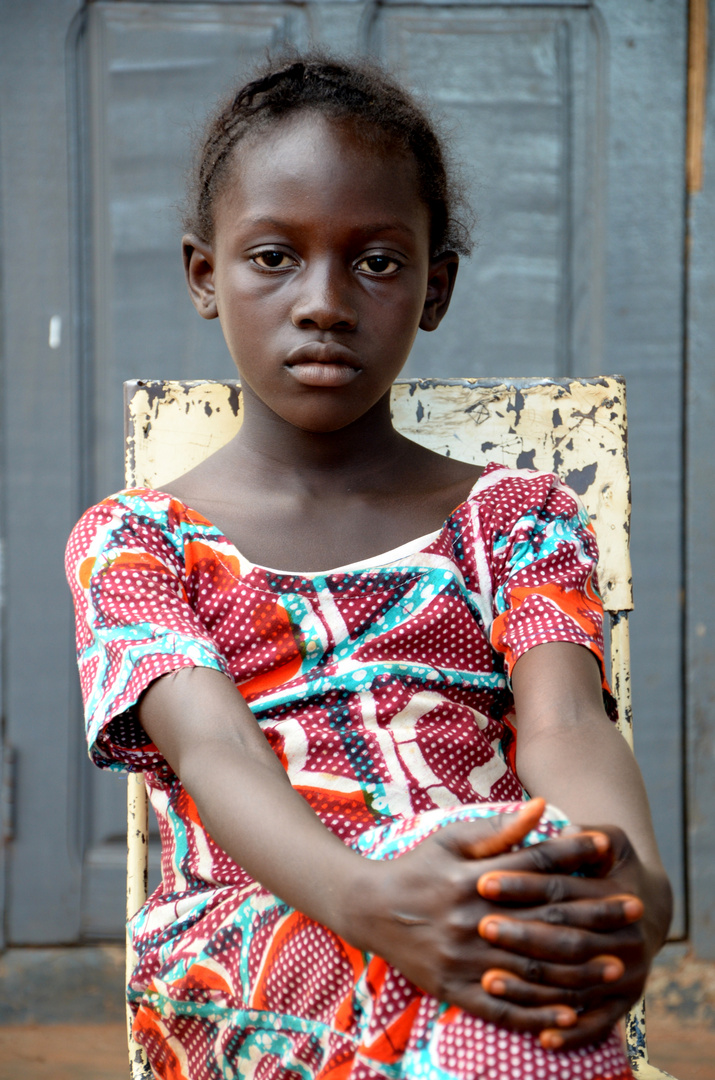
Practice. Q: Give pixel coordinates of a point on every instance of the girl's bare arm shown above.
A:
(572, 755)
(421, 912)
(570, 752)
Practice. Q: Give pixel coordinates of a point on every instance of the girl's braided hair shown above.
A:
(351, 90)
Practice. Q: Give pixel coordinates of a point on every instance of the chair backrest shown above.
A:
(576, 428)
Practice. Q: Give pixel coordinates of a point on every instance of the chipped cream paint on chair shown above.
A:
(576, 428)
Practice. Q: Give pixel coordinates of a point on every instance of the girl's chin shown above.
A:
(327, 375)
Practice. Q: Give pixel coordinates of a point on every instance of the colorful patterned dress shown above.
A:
(383, 687)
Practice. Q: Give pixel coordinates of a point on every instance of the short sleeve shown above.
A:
(125, 567)
(543, 569)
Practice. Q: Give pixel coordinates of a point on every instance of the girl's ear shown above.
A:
(440, 283)
(199, 270)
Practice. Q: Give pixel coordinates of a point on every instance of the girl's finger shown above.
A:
(591, 1027)
(513, 828)
(503, 983)
(540, 941)
(599, 972)
(586, 851)
(473, 999)
(525, 887)
(604, 913)
(594, 973)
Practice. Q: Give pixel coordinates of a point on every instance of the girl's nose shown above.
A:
(324, 300)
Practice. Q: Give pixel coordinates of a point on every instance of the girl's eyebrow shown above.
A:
(274, 222)
(388, 226)
(366, 230)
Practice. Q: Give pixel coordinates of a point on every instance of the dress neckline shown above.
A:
(383, 559)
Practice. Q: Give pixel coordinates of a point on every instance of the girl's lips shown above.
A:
(322, 363)
(317, 373)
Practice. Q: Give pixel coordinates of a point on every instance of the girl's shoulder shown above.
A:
(511, 493)
(134, 518)
(147, 506)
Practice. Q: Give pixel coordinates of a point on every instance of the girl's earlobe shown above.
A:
(199, 270)
(440, 283)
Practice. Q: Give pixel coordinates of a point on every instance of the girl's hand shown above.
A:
(619, 918)
(423, 915)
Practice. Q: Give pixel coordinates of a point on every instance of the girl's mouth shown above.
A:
(322, 363)
(315, 373)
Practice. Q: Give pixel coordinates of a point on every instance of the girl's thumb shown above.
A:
(515, 828)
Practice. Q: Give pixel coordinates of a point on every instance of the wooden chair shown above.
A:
(574, 427)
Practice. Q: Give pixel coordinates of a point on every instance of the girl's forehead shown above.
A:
(319, 179)
(324, 151)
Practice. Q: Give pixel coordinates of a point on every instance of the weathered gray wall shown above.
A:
(40, 456)
(700, 530)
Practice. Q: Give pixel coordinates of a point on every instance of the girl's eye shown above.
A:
(271, 260)
(379, 264)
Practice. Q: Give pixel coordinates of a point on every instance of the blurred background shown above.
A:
(587, 132)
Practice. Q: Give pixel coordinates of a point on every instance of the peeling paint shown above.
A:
(638, 1048)
(234, 397)
(525, 459)
(189, 421)
(581, 479)
(516, 406)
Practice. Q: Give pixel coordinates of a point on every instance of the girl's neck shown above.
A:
(304, 501)
(368, 452)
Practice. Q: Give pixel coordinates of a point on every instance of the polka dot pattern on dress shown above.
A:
(384, 692)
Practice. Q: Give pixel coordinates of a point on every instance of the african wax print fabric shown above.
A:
(383, 687)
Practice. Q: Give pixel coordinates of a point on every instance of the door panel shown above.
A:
(643, 336)
(179, 58)
(520, 94)
(39, 454)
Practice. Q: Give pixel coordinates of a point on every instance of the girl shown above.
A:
(319, 643)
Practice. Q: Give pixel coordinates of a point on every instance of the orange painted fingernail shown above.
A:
(489, 928)
(493, 982)
(489, 886)
(633, 908)
(612, 971)
(612, 967)
(600, 841)
(551, 1040)
(566, 1017)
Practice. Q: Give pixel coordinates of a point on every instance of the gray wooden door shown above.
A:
(578, 270)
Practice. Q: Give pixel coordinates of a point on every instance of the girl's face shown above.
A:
(319, 270)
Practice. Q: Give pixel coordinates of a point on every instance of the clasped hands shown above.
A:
(516, 938)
